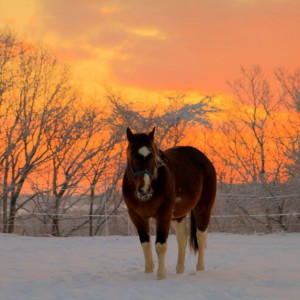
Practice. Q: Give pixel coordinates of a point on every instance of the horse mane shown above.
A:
(160, 157)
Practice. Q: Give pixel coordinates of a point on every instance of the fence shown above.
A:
(122, 225)
(235, 213)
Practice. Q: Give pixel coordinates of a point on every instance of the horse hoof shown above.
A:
(180, 270)
(161, 276)
(149, 270)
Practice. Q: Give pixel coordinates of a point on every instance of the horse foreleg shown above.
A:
(161, 250)
(142, 226)
(181, 235)
(162, 232)
(201, 240)
(149, 264)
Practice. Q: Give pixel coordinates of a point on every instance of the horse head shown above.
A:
(142, 162)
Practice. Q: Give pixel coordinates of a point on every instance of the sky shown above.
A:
(190, 45)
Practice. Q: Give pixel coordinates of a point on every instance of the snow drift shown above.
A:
(237, 267)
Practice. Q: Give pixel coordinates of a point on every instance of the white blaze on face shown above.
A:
(144, 151)
(145, 188)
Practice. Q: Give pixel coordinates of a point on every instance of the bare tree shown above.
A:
(72, 144)
(102, 173)
(171, 119)
(251, 145)
(8, 49)
(31, 104)
(290, 137)
(255, 105)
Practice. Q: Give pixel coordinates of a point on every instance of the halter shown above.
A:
(157, 165)
(145, 171)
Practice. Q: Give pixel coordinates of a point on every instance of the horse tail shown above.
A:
(193, 232)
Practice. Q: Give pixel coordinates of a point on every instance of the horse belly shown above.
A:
(183, 205)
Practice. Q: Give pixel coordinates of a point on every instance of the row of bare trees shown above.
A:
(261, 126)
(57, 151)
(260, 149)
(50, 141)
(60, 155)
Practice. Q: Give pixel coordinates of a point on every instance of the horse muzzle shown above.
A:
(144, 191)
(144, 196)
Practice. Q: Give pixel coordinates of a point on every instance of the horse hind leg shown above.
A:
(200, 217)
(201, 240)
(181, 235)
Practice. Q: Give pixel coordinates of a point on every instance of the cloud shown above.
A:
(192, 44)
(70, 18)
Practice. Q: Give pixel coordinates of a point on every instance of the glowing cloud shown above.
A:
(182, 45)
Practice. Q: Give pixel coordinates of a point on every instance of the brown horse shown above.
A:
(166, 186)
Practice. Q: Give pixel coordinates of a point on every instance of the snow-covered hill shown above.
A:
(237, 267)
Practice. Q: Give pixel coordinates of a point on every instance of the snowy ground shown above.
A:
(237, 267)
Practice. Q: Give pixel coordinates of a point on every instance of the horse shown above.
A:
(167, 186)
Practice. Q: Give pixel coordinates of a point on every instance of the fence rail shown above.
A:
(233, 212)
(122, 216)
(120, 224)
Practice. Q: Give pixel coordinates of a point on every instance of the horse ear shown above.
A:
(151, 134)
(129, 134)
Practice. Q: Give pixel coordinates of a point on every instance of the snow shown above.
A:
(237, 267)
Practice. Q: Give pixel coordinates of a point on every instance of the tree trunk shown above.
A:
(4, 213)
(5, 197)
(91, 209)
(55, 226)
(55, 219)
(12, 214)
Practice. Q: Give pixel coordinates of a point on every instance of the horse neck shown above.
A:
(159, 157)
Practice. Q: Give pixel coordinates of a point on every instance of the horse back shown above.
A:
(194, 175)
(191, 161)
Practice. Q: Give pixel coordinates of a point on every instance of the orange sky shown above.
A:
(161, 44)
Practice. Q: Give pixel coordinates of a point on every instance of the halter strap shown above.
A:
(145, 171)
(136, 173)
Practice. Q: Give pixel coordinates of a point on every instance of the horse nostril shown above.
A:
(141, 191)
(144, 194)
(144, 191)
